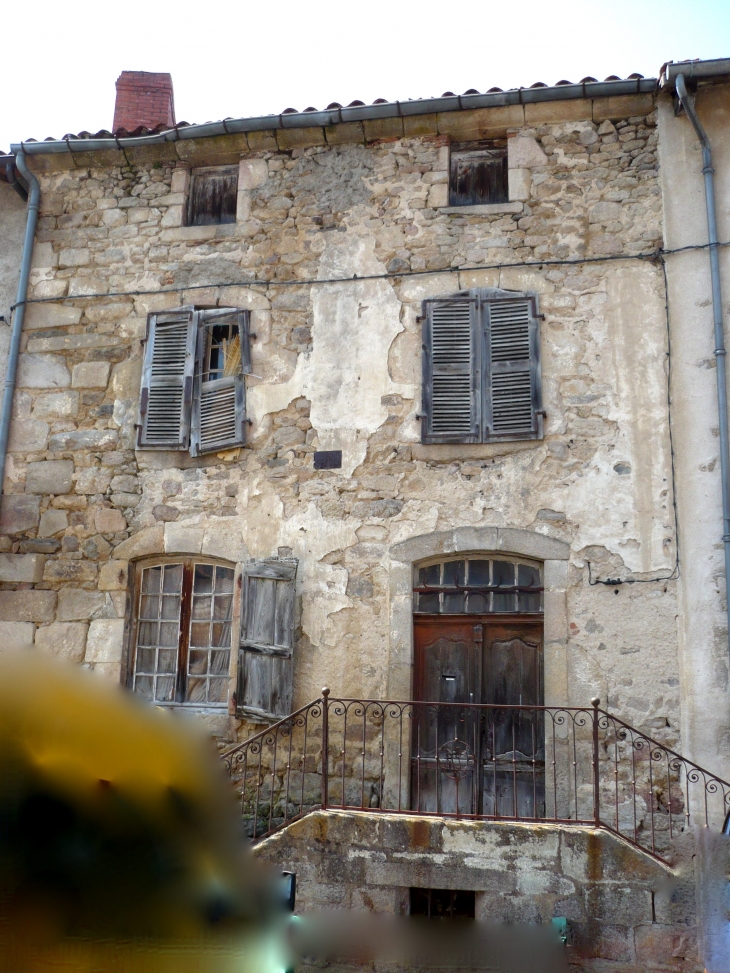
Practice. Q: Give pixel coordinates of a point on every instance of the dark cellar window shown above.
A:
(213, 196)
(442, 903)
(478, 174)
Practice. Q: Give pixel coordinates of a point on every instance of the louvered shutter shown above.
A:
(451, 373)
(512, 383)
(219, 413)
(167, 380)
(265, 659)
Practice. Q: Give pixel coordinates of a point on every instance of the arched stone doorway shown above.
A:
(478, 616)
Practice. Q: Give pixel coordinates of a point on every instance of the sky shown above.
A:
(61, 58)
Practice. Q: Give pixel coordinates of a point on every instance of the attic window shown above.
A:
(478, 173)
(213, 196)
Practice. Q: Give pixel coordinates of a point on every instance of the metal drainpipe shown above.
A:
(34, 196)
(709, 174)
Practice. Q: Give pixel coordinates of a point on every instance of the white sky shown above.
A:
(60, 58)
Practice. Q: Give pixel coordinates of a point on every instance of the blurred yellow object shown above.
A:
(120, 844)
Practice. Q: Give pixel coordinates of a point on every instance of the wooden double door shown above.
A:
(470, 759)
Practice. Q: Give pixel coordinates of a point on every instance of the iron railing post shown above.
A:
(596, 785)
(325, 747)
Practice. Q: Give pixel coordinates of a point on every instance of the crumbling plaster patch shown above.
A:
(346, 373)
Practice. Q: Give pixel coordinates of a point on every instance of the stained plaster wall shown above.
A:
(337, 366)
(703, 635)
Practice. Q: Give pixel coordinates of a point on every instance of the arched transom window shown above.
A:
(478, 585)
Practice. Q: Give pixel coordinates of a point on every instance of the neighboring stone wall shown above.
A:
(337, 366)
(627, 913)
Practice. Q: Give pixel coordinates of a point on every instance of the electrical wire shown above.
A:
(649, 255)
(611, 582)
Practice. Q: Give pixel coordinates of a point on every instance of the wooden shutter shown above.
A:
(512, 406)
(219, 414)
(213, 196)
(451, 373)
(265, 659)
(167, 380)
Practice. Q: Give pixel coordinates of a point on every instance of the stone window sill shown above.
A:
(485, 209)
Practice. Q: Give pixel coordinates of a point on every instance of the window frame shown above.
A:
(200, 173)
(189, 440)
(488, 612)
(486, 150)
(482, 368)
(135, 592)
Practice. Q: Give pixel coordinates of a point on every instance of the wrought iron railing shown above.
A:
(566, 765)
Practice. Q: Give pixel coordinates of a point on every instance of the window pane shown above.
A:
(167, 660)
(428, 603)
(220, 662)
(476, 604)
(201, 606)
(503, 573)
(170, 606)
(454, 573)
(222, 606)
(479, 572)
(145, 660)
(169, 633)
(196, 690)
(200, 633)
(147, 633)
(224, 581)
(143, 685)
(172, 582)
(203, 583)
(149, 606)
(218, 690)
(429, 575)
(165, 689)
(151, 578)
(528, 575)
(198, 662)
(221, 634)
(454, 604)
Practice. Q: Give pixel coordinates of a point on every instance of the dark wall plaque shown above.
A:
(328, 459)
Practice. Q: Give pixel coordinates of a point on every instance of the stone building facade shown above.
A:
(339, 234)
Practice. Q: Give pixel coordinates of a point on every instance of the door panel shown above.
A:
(446, 738)
(513, 740)
(468, 761)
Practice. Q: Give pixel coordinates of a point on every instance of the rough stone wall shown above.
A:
(337, 366)
(627, 913)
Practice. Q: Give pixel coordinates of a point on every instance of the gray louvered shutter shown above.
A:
(265, 658)
(219, 413)
(167, 380)
(512, 381)
(451, 372)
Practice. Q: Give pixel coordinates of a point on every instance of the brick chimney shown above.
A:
(143, 98)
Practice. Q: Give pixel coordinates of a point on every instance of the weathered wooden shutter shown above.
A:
(265, 659)
(213, 196)
(219, 413)
(512, 384)
(451, 373)
(167, 380)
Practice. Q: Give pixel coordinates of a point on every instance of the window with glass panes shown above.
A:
(182, 649)
(478, 586)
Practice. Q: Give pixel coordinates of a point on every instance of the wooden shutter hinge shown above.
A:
(541, 316)
(420, 415)
(541, 412)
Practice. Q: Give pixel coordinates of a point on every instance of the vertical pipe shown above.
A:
(709, 175)
(34, 196)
